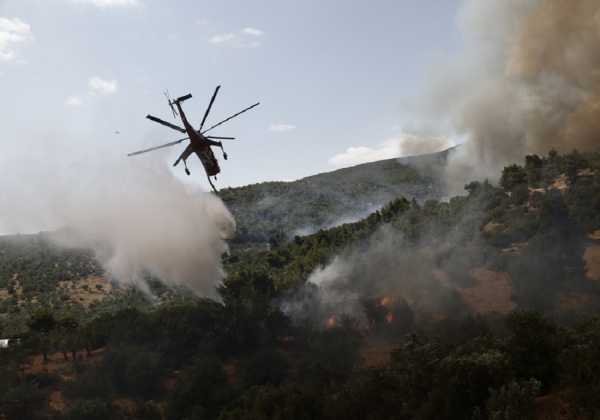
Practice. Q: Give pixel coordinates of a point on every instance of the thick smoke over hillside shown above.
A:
(420, 278)
(134, 213)
(527, 82)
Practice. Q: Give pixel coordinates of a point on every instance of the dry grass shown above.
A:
(377, 355)
(491, 293)
(574, 302)
(56, 401)
(18, 287)
(586, 172)
(58, 365)
(595, 235)
(88, 290)
(552, 407)
(561, 183)
(514, 249)
(126, 405)
(592, 262)
(493, 228)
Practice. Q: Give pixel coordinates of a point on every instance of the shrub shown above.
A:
(514, 401)
(95, 409)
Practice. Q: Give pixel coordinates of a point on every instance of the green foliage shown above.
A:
(276, 403)
(514, 401)
(580, 363)
(43, 379)
(331, 355)
(416, 363)
(243, 358)
(266, 367)
(533, 347)
(133, 371)
(23, 401)
(513, 176)
(89, 384)
(468, 377)
(93, 409)
(203, 391)
(375, 394)
(38, 264)
(520, 194)
(279, 209)
(42, 321)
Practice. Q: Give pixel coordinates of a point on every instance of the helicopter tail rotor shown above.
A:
(171, 104)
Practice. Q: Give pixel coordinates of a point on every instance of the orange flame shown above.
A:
(331, 322)
(386, 301)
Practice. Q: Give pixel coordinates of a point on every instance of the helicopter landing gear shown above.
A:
(211, 184)
(223, 150)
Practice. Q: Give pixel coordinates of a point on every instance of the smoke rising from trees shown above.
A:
(526, 82)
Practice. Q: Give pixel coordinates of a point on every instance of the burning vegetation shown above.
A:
(409, 304)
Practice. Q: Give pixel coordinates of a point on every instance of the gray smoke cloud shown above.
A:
(526, 82)
(135, 214)
(425, 277)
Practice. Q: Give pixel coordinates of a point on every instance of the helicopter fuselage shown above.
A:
(200, 145)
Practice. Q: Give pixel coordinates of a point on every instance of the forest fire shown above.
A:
(387, 303)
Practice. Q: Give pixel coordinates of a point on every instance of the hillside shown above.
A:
(264, 212)
(492, 293)
(32, 264)
(285, 209)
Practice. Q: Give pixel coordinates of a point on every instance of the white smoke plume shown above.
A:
(134, 213)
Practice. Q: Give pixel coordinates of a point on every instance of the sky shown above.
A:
(336, 79)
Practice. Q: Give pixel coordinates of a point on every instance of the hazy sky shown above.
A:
(335, 78)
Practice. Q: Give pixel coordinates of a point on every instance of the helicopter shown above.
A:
(199, 142)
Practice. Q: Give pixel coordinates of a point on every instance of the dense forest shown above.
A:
(383, 318)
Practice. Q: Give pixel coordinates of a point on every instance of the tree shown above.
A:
(69, 335)
(514, 401)
(23, 401)
(95, 409)
(468, 377)
(133, 371)
(533, 347)
(580, 368)
(267, 366)
(533, 167)
(270, 402)
(512, 176)
(42, 322)
(332, 354)
(203, 391)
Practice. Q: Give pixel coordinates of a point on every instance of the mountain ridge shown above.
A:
(275, 209)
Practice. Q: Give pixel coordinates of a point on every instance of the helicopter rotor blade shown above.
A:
(212, 101)
(220, 138)
(230, 118)
(165, 123)
(173, 143)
